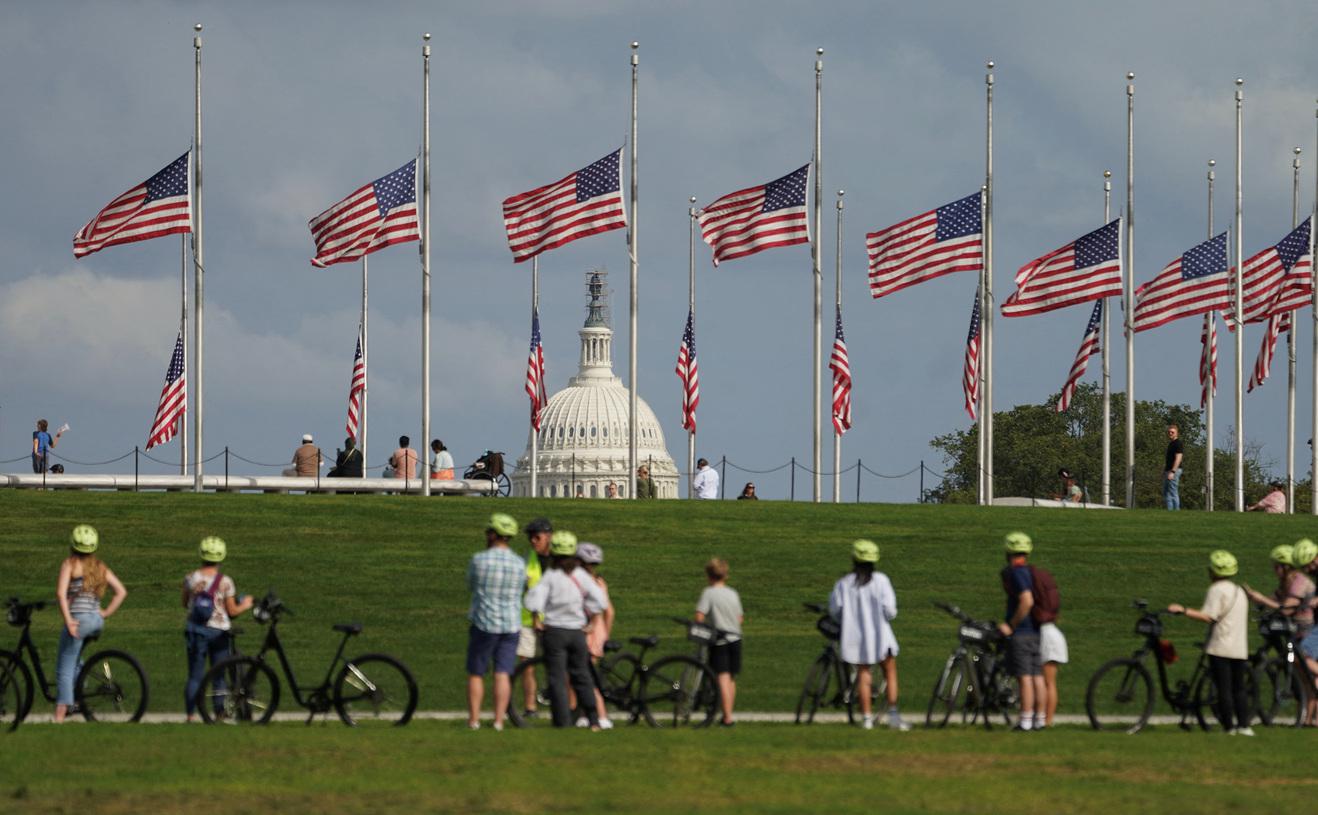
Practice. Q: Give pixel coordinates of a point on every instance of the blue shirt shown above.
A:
(496, 578)
(1016, 579)
(43, 441)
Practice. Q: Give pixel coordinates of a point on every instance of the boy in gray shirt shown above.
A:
(720, 607)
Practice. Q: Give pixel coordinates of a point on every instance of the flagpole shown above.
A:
(837, 437)
(1239, 306)
(366, 369)
(198, 268)
(632, 408)
(1210, 329)
(1290, 352)
(1107, 366)
(691, 306)
(1313, 445)
(818, 270)
(535, 434)
(183, 333)
(425, 268)
(986, 309)
(1130, 291)
(981, 480)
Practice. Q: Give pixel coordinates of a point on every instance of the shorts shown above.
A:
(1309, 645)
(527, 642)
(726, 658)
(1052, 644)
(482, 646)
(1023, 654)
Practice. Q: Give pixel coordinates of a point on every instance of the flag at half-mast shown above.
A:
(1277, 279)
(1208, 360)
(1195, 283)
(159, 206)
(578, 205)
(841, 368)
(535, 372)
(1088, 347)
(173, 399)
(379, 214)
(688, 370)
(970, 372)
(356, 389)
(1085, 269)
(1278, 324)
(758, 218)
(945, 240)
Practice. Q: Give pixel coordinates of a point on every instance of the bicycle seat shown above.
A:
(349, 628)
(645, 642)
(90, 638)
(612, 645)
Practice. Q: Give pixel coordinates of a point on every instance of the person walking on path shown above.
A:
(1023, 657)
(705, 484)
(495, 578)
(865, 605)
(567, 598)
(1171, 473)
(538, 532)
(720, 607)
(212, 602)
(1226, 610)
(42, 444)
(83, 578)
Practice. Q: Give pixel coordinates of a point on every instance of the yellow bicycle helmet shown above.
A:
(85, 539)
(213, 549)
(1223, 564)
(563, 543)
(1018, 543)
(1282, 554)
(503, 525)
(1304, 553)
(865, 551)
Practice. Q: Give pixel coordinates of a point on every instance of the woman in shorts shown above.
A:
(1052, 653)
(600, 627)
(864, 603)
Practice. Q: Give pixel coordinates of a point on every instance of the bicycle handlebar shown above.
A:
(37, 605)
(815, 607)
(688, 623)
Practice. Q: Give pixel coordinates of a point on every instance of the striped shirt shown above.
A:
(82, 602)
(495, 578)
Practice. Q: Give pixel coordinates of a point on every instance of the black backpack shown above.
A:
(203, 605)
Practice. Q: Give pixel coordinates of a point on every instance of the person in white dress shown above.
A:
(865, 605)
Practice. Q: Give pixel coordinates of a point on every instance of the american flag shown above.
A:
(1195, 283)
(1087, 269)
(1208, 359)
(157, 207)
(583, 203)
(970, 374)
(689, 372)
(757, 218)
(355, 390)
(841, 368)
(1278, 324)
(173, 399)
(945, 240)
(1277, 279)
(377, 215)
(535, 372)
(1088, 347)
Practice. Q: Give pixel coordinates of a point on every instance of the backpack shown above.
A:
(1047, 599)
(203, 605)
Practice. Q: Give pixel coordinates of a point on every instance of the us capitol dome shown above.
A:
(584, 430)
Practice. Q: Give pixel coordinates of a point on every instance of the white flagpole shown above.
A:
(1129, 272)
(535, 434)
(988, 306)
(183, 332)
(366, 369)
(981, 480)
(837, 437)
(1290, 352)
(1210, 329)
(425, 272)
(691, 305)
(1107, 362)
(1238, 238)
(1313, 446)
(818, 273)
(632, 407)
(198, 269)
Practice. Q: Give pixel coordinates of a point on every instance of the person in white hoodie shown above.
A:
(864, 603)
(566, 598)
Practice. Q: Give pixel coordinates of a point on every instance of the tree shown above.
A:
(1032, 442)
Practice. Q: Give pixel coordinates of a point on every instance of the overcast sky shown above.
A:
(304, 102)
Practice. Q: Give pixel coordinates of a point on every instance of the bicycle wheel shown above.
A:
(20, 677)
(111, 687)
(12, 691)
(529, 706)
(617, 677)
(1120, 696)
(375, 690)
(679, 691)
(1281, 693)
(950, 693)
(850, 698)
(1205, 698)
(239, 690)
(818, 681)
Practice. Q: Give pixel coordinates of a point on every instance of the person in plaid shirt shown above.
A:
(496, 578)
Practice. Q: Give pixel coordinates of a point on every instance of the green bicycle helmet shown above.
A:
(1223, 564)
(503, 525)
(563, 543)
(1282, 555)
(1018, 543)
(213, 549)
(85, 539)
(1304, 553)
(865, 551)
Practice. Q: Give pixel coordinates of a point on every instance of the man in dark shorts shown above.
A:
(1171, 472)
(496, 578)
(1023, 657)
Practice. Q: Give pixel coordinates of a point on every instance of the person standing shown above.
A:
(1226, 610)
(211, 601)
(306, 459)
(864, 603)
(538, 533)
(601, 625)
(495, 578)
(1171, 474)
(441, 461)
(705, 484)
(644, 484)
(42, 444)
(720, 607)
(1023, 657)
(83, 578)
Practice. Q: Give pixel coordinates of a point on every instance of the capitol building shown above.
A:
(584, 429)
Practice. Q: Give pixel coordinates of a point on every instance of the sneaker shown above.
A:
(583, 722)
(530, 713)
(473, 725)
(867, 723)
(1022, 728)
(606, 724)
(895, 722)
(726, 724)
(498, 727)
(1243, 731)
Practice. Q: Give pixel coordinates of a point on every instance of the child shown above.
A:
(720, 607)
(864, 603)
(600, 627)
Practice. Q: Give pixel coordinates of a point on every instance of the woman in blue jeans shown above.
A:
(83, 578)
(211, 600)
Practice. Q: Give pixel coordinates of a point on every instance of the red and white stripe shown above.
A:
(1167, 297)
(356, 390)
(1278, 324)
(970, 372)
(1053, 281)
(1208, 359)
(1089, 346)
(841, 368)
(688, 370)
(129, 218)
(909, 253)
(354, 227)
(173, 399)
(736, 225)
(550, 216)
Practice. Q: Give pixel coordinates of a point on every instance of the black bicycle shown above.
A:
(830, 682)
(372, 689)
(1120, 694)
(1286, 685)
(974, 681)
(110, 685)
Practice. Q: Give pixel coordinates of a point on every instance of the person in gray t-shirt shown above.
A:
(720, 607)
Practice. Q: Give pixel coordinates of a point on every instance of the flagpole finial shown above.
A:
(1107, 173)
(840, 193)
(990, 65)
(197, 27)
(196, 39)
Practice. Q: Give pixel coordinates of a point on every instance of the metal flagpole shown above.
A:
(837, 437)
(1290, 352)
(1313, 438)
(198, 271)
(183, 332)
(1239, 305)
(632, 408)
(818, 269)
(987, 307)
(1129, 298)
(366, 368)
(1210, 331)
(1107, 362)
(982, 481)
(535, 434)
(691, 306)
(425, 269)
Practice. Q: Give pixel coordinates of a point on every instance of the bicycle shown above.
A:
(11, 696)
(368, 689)
(110, 685)
(830, 682)
(1120, 693)
(1286, 685)
(974, 679)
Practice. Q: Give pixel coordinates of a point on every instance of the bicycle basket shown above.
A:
(829, 627)
(17, 616)
(701, 633)
(1277, 625)
(1167, 652)
(973, 634)
(1148, 626)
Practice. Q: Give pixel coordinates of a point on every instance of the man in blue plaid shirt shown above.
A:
(496, 578)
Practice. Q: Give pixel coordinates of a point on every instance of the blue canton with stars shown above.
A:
(1094, 319)
(1099, 246)
(175, 363)
(601, 177)
(974, 322)
(788, 191)
(959, 218)
(396, 189)
(1294, 245)
(169, 182)
(1207, 258)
